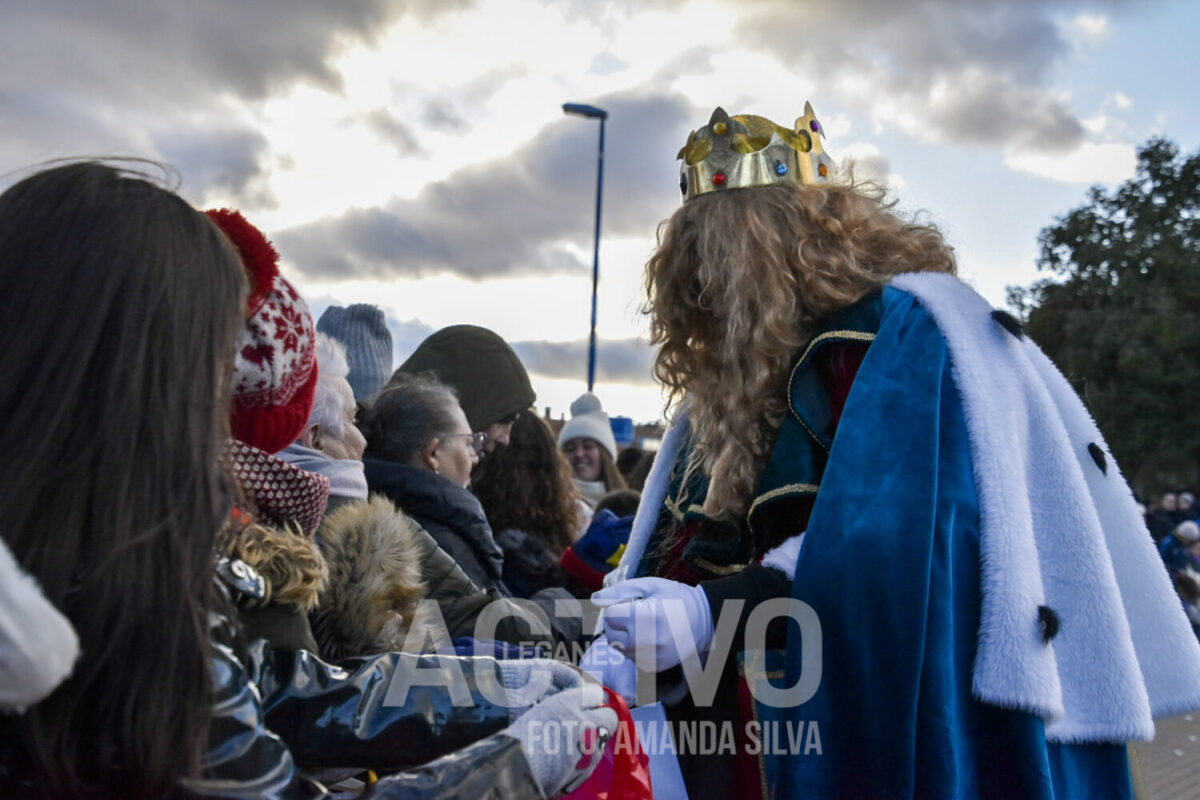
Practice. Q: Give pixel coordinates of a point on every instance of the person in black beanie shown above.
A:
(489, 378)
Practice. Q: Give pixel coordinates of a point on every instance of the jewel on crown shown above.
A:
(744, 151)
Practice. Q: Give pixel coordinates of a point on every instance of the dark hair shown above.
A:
(1186, 588)
(120, 305)
(636, 477)
(527, 485)
(609, 474)
(622, 502)
(628, 458)
(408, 415)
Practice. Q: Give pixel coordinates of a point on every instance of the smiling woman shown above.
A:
(588, 443)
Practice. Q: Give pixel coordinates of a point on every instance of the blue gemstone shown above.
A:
(780, 168)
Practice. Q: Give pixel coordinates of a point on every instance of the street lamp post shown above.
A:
(600, 114)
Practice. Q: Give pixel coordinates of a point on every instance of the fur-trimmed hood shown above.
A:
(375, 581)
(290, 563)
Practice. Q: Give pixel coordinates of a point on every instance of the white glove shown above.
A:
(607, 665)
(656, 622)
(563, 737)
(528, 680)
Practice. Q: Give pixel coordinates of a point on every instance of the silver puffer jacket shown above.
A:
(279, 717)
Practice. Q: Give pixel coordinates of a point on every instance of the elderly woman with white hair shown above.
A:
(331, 444)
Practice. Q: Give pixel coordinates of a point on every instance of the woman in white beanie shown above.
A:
(588, 443)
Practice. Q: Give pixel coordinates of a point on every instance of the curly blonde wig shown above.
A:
(739, 282)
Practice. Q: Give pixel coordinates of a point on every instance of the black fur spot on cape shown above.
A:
(1050, 623)
(1009, 323)
(1098, 457)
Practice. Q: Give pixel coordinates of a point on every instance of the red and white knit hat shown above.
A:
(275, 367)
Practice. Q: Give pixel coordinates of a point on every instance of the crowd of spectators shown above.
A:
(233, 532)
(1172, 523)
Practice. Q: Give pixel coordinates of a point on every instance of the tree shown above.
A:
(1121, 314)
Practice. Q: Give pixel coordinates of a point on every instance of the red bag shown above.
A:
(624, 769)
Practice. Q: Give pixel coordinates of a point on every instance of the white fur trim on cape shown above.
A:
(785, 556)
(654, 494)
(1057, 530)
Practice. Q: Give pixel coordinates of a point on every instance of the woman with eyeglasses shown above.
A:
(381, 563)
(420, 452)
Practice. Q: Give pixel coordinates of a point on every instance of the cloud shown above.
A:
(441, 114)
(1121, 101)
(971, 73)
(396, 133)
(227, 163)
(617, 360)
(1089, 28)
(868, 164)
(139, 52)
(1090, 163)
(976, 107)
(406, 336)
(517, 215)
(171, 79)
(620, 361)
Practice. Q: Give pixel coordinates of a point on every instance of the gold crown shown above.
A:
(744, 151)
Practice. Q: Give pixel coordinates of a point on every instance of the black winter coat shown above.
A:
(450, 513)
(456, 521)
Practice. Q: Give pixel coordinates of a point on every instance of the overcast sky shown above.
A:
(415, 155)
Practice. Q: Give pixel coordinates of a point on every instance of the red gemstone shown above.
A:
(719, 179)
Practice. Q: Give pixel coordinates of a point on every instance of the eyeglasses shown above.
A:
(476, 443)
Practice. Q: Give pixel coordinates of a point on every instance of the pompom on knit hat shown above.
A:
(362, 330)
(275, 364)
(588, 420)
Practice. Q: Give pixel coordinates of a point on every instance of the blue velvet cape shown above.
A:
(891, 566)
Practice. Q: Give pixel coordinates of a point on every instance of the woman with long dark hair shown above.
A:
(120, 305)
(531, 504)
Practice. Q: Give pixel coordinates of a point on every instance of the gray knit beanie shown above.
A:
(362, 329)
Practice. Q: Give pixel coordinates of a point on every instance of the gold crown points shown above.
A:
(746, 150)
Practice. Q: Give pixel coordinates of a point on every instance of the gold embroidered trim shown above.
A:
(791, 488)
(705, 564)
(849, 336)
(673, 507)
